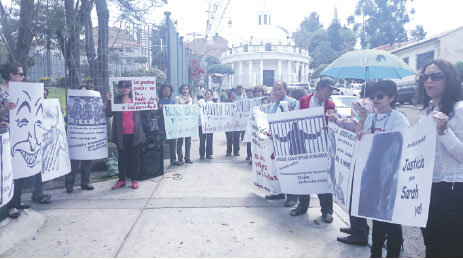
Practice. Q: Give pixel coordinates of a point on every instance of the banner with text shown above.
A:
(227, 117)
(180, 120)
(6, 174)
(265, 176)
(301, 150)
(86, 131)
(142, 90)
(393, 175)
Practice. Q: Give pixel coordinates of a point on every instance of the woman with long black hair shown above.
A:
(440, 91)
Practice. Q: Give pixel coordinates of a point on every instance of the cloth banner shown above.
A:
(142, 89)
(55, 152)
(6, 174)
(301, 150)
(26, 124)
(341, 148)
(86, 131)
(265, 176)
(227, 117)
(180, 120)
(265, 108)
(393, 175)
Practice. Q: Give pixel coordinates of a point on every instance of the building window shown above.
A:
(128, 49)
(406, 60)
(260, 19)
(423, 59)
(245, 48)
(265, 19)
(268, 47)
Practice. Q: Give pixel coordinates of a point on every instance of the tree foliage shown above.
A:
(220, 69)
(418, 33)
(161, 77)
(211, 60)
(318, 70)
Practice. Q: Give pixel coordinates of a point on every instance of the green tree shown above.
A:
(308, 26)
(220, 69)
(211, 60)
(161, 77)
(381, 22)
(318, 70)
(418, 33)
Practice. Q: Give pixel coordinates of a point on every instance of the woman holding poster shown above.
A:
(386, 119)
(440, 89)
(127, 133)
(184, 99)
(205, 140)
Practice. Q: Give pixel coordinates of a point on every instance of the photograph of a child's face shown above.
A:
(120, 89)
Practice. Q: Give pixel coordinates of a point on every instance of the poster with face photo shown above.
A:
(55, 152)
(26, 122)
(86, 131)
(142, 91)
(6, 174)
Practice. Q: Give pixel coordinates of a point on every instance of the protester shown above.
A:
(239, 93)
(82, 166)
(128, 135)
(166, 92)
(184, 99)
(205, 140)
(359, 230)
(233, 138)
(258, 91)
(440, 89)
(386, 119)
(249, 95)
(320, 98)
(279, 94)
(297, 93)
(215, 96)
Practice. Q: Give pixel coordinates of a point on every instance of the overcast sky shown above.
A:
(191, 15)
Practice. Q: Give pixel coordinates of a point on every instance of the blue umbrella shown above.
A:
(368, 65)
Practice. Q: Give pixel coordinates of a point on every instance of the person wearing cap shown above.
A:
(320, 98)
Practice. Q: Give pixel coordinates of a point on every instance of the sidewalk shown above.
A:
(207, 209)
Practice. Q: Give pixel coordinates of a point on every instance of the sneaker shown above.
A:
(134, 184)
(327, 218)
(118, 185)
(351, 241)
(236, 154)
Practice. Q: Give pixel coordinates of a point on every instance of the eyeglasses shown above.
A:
(379, 96)
(435, 76)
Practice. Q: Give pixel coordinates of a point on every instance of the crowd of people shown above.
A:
(439, 88)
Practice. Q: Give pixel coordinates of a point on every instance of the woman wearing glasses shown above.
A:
(386, 119)
(440, 90)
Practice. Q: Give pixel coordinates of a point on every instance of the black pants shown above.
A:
(444, 230)
(326, 202)
(233, 142)
(129, 159)
(205, 143)
(172, 149)
(37, 184)
(359, 228)
(249, 153)
(15, 202)
(383, 231)
(187, 148)
(82, 166)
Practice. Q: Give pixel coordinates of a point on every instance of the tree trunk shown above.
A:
(25, 34)
(72, 44)
(103, 38)
(87, 7)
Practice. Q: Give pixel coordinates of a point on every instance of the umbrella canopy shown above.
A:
(368, 65)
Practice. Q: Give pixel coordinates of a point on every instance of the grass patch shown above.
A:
(60, 94)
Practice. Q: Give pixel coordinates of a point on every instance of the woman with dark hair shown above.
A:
(165, 92)
(386, 119)
(233, 138)
(128, 135)
(184, 99)
(205, 140)
(440, 91)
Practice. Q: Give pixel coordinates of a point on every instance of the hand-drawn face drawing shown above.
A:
(29, 129)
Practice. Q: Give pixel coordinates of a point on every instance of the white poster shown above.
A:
(341, 147)
(6, 174)
(301, 150)
(86, 130)
(265, 108)
(180, 120)
(55, 152)
(142, 91)
(265, 176)
(26, 128)
(227, 117)
(393, 175)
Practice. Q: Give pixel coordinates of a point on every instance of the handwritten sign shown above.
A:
(6, 174)
(180, 120)
(142, 90)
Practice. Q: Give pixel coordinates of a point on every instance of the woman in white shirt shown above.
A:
(386, 119)
(440, 89)
(184, 99)
(205, 140)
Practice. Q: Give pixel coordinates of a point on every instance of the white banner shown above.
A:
(265, 176)
(55, 152)
(180, 120)
(86, 131)
(6, 174)
(265, 108)
(142, 90)
(227, 117)
(393, 175)
(341, 147)
(26, 124)
(301, 152)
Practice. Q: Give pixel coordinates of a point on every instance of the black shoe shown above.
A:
(188, 161)
(327, 218)
(275, 197)
(24, 206)
(290, 203)
(297, 211)
(346, 230)
(14, 215)
(351, 241)
(236, 154)
(69, 189)
(248, 158)
(201, 157)
(209, 157)
(228, 154)
(176, 163)
(87, 187)
(180, 163)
